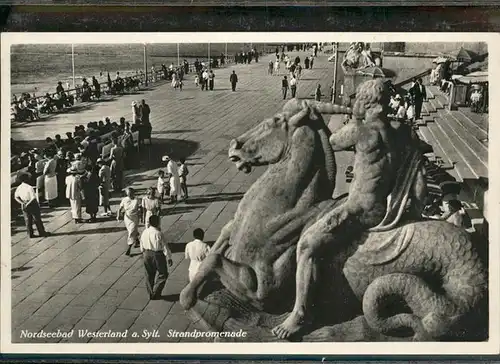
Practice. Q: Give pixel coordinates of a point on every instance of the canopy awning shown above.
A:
(474, 77)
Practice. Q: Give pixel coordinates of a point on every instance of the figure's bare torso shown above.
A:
(374, 173)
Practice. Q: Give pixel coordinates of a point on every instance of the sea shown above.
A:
(36, 68)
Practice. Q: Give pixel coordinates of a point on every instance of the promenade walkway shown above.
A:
(79, 278)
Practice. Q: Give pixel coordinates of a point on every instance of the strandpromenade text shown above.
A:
(147, 334)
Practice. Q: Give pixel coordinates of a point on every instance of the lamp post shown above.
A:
(73, 63)
(209, 63)
(145, 66)
(336, 64)
(178, 56)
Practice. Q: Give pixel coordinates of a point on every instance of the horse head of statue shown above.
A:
(299, 126)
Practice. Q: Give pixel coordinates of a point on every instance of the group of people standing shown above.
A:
(246, 57)
(410, 106)
(294, 70)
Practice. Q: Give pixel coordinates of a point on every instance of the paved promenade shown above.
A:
(79, 278)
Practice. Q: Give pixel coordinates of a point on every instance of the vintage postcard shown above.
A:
(235, 193)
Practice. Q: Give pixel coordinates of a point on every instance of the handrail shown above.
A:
(406, 81)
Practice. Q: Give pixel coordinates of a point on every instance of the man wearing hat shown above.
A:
(74, 193)
(26, 197)
(105, 186)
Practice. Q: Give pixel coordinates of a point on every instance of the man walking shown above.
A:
(419, 95)
(284, 87)
(26, 197)
(233, 79)
(293, 86)
(211, 76)
(204, 77)
(156, 255)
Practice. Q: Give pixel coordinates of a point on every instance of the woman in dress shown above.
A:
(39, 176)
(91, 184)
(131, 208)
(135, 112)
(50, 178)
(150, 206)
(61, 172)
(74, 193)
(175, 181)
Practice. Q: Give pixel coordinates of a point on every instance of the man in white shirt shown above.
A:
(204, 77)
(196, 251)
(293, 85)
(156, 254)
(26, 197)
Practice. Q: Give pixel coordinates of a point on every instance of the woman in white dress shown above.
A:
(135, 112)
(74, 193)
(174, 80)
(40, 178)
(150, 206)
(130, 206)
(175, 182)
(50, 178)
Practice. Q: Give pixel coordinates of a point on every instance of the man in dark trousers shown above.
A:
(156, 255)
(419, 94)
(234, 80)
(145, 128)
(25, 195)
(284, 87)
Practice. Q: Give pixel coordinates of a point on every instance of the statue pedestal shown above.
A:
(351, 82)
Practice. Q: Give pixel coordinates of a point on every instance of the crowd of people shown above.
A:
(76, 170)
(294, 70)
(409, 107)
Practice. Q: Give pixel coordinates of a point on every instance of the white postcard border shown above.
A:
(492, 346)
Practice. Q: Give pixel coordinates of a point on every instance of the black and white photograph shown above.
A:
(279, 188)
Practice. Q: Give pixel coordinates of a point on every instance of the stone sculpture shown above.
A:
(431, 267)
(356, 57)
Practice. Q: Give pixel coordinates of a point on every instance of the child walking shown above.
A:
(161, 186)
(183, 172)
(196, 251)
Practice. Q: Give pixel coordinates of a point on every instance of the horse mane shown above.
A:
(318, 124)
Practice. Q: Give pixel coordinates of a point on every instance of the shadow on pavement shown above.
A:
(216, 197)
(106, 230)
(178, 131)
(20, 269)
